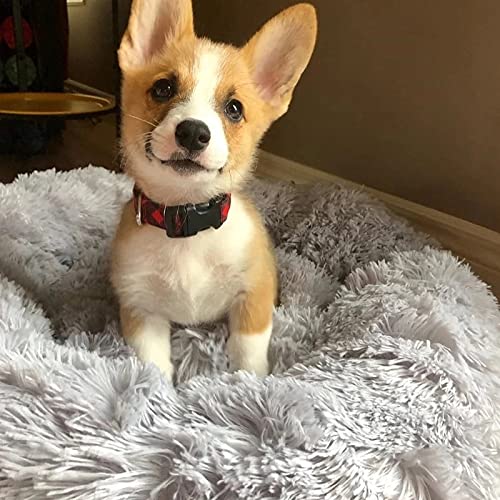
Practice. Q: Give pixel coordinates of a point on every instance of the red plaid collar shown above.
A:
(181, 221)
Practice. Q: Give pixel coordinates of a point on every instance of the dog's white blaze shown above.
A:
(152, 344)
(202, 106)
(249, 351)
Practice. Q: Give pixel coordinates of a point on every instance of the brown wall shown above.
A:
(401, 95)
(91, 43)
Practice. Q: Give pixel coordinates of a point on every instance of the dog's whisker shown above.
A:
(141, 119)
(139, 141)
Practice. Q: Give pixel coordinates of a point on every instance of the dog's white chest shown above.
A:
(186, 280)
(196, 283)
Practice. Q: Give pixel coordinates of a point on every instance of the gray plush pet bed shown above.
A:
(385, 357)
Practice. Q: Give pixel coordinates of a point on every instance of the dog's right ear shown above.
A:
(151, 25)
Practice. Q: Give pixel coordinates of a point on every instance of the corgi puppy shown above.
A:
(190, 247)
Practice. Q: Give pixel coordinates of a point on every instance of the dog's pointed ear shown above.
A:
(279, 53)
(151, 25)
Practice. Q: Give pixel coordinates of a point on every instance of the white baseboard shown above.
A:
(476, 244)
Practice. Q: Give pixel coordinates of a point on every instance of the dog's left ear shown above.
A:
(152, 24)
(279, 53)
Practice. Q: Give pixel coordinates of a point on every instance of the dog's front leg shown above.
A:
(250, 326)
(149, 336)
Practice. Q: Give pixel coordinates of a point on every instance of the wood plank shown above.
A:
(81, 143)
(476, 244)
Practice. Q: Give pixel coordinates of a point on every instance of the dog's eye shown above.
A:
(163, 90)
(234, 110)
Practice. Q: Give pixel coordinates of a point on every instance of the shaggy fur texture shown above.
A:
(384, 361)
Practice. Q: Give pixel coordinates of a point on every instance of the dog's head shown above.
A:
(194, 111)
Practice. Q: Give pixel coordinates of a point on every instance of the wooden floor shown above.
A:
(82, 142)
(86, 142)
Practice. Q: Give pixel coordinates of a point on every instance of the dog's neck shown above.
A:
(181, 221)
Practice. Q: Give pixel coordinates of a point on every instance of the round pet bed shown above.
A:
(384, 362)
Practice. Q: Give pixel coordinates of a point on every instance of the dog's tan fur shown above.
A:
(225, 272)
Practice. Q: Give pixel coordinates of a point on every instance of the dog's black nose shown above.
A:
(192, 135)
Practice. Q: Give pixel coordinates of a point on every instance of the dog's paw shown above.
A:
(247, 353)
(166, 367)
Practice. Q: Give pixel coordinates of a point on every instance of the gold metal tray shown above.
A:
(39, 104)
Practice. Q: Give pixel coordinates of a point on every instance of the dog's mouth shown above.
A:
(181, 165)
(184, 166)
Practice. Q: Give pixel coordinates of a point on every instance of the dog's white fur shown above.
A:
(248, 352)
(153, 343)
